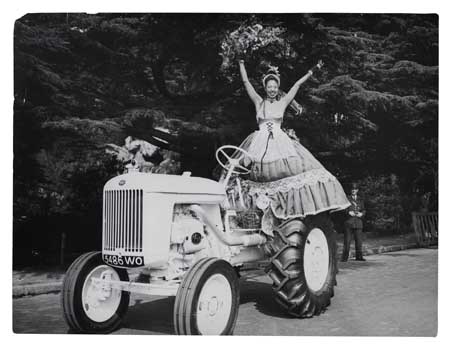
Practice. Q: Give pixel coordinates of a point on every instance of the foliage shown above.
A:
(82, 81)
(382, 199)
(251, 39)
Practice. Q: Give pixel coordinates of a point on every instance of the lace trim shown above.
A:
(284, 185)
(331, 208)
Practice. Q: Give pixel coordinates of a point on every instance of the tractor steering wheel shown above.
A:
(233, 162)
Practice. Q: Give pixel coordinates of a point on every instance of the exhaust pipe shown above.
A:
(225, 237)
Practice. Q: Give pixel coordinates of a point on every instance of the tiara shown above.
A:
(273, 69)
(273, 73)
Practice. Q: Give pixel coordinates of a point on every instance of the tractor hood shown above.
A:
(161, 183)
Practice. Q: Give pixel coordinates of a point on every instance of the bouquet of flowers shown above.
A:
(248, 39)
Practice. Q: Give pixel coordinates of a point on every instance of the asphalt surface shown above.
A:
(392, 294)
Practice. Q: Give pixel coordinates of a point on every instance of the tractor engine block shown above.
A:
(188, 241)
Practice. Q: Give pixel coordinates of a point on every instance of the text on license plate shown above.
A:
(124, 260)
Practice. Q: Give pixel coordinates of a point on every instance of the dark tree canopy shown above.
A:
(81, 81)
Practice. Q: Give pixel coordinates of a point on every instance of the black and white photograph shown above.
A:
(205, 173)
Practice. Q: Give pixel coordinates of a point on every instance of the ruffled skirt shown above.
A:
(287, 176)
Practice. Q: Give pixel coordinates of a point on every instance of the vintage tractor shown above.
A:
(184, 237)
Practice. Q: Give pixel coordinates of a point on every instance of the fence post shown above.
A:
(426, 228)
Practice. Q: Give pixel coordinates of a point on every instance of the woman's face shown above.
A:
(272, 88)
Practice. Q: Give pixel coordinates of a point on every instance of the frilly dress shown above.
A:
(284, 173)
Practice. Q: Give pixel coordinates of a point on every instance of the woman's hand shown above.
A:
(241, 56)
(318, 66)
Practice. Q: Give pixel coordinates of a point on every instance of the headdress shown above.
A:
(272, 73)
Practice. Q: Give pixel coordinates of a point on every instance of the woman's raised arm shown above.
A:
(248, 86)
(294, 89)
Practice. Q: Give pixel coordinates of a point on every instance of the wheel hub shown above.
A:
(100, 301)
(214, 305)
(316, 259)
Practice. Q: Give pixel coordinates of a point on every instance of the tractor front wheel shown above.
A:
(89, 306)
(207, 301)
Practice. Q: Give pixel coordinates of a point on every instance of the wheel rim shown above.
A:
(100, 302)
(316, 259)
(214, 305)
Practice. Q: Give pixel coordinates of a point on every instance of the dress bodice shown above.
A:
(271, 111)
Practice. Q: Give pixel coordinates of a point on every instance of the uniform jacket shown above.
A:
(356, 206)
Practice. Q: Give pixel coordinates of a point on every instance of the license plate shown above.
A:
(123, 260)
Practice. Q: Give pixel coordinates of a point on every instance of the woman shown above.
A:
(284, 174)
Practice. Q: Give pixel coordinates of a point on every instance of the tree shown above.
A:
(82, 81)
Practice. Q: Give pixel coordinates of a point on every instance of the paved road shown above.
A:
(392, 294)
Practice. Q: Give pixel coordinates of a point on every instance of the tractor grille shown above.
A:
(122, 220)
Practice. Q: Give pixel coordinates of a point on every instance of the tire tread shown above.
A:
(70, 290)
(187, 293)
(291, 290)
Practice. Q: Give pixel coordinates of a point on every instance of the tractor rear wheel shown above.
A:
(207, 301)
(303, 265)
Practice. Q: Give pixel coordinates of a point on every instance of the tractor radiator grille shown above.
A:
(122, 220)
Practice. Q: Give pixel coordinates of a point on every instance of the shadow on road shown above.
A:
(151, 316)
(157, 315)
(352, 265)
(406, 253)
(262, 295)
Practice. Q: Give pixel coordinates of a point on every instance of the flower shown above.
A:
(249, 39)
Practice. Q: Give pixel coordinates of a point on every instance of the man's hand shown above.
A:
(351, 213)
(359, 214)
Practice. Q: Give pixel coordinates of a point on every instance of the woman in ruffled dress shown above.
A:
(283, 172)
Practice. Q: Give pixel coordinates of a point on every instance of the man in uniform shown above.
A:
(354, 225)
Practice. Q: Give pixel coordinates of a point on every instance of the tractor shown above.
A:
(191, 238)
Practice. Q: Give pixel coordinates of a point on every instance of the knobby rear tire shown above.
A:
(287, 266)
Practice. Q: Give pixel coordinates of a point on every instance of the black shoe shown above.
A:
(360, 259)
(343, 260)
